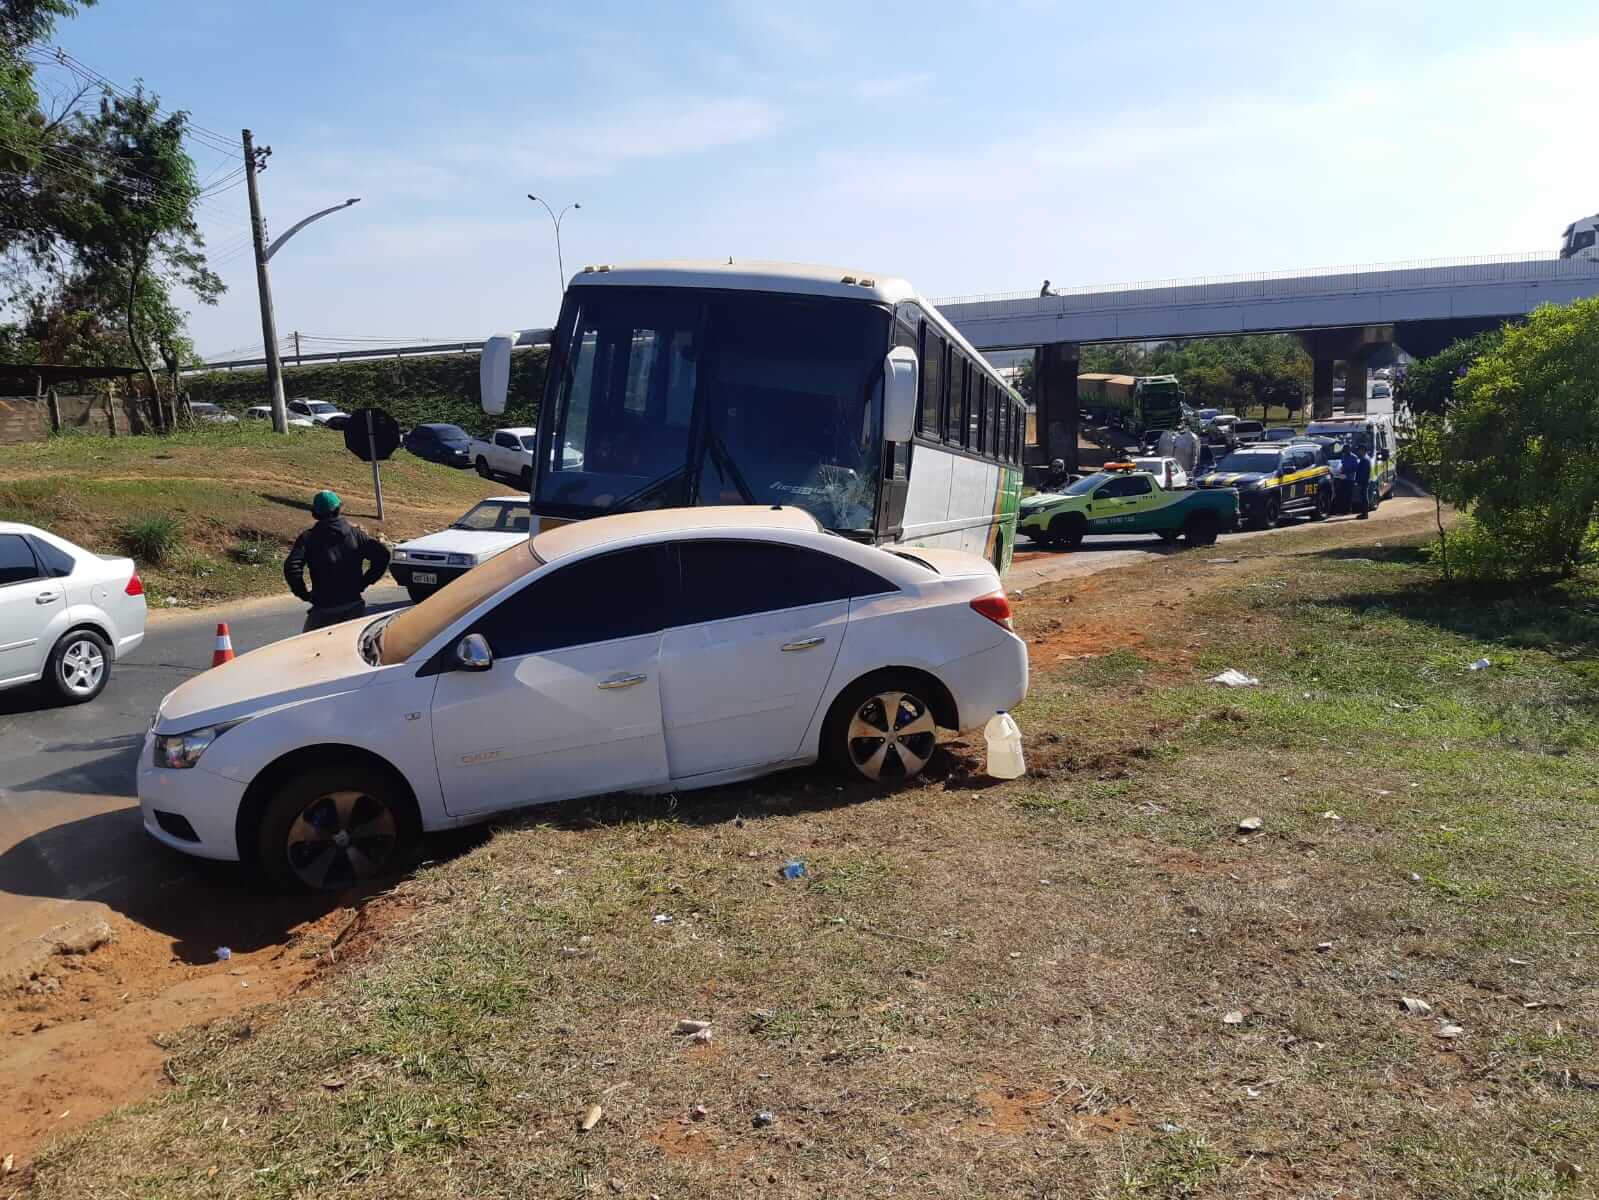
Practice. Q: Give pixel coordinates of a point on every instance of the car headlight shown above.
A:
(401, 555)
(461, 560)
(180, 751)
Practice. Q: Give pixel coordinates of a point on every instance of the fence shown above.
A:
(27, 418)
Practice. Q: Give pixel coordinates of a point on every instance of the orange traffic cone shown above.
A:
(224, 651)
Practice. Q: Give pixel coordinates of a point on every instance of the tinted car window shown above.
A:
(722, 579)
(1127, 485)
(16, 560)
(506, 440)
(55, 561)
(595, 600)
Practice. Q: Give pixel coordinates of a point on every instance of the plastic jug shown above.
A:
(1004, 747)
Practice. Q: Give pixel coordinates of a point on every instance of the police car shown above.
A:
(1274, 480)
(1124, 499)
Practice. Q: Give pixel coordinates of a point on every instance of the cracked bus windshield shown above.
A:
(709, 397)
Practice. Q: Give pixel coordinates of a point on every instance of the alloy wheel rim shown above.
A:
(340, 838)
(82, 666)
(891, 736)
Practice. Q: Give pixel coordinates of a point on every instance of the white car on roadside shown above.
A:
(1167, 472)
(263, 412)
(65, 614)
(319, 412)
(423, 565)
(651, 651)
(213, 413)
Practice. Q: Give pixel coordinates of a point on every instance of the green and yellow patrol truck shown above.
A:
(1271, 481)
(1123, 499)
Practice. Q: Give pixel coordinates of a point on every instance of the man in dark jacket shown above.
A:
(334, 551)
(1363, 482)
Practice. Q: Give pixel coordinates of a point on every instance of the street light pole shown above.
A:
(254, 161)
(560, 262)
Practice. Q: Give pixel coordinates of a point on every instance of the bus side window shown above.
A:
(996, 403)
(977, 411)
(955, 410)
(932, 380)
(1002, 417)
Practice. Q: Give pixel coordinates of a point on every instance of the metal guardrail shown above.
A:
(527, 337)
(1272, 285)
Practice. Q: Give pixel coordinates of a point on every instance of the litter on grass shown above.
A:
(1233, 677)
(1482, 664)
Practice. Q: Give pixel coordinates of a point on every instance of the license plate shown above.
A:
(424, 577)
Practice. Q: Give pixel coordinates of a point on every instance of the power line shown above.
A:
(219, 142)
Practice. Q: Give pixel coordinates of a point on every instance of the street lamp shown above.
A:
(299, 225)
(560, 262)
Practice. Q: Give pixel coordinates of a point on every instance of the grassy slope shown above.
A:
(242, 494)
(1004, 990)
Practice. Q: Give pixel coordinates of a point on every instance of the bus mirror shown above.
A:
(494, 372)
(899, 394)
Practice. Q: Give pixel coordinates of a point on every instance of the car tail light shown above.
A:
(995, 607)
(135, 586)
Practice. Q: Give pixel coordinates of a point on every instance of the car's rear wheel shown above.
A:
(79, 666)
(483, 467)
(1323, 505)
(335, 827)
(525, 479)
(1201, 529)
(881, 730)
(1067, 530)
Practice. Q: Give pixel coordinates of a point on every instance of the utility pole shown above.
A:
(296, 347)
(269, 325)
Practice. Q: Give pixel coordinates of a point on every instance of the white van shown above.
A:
(1371, 434)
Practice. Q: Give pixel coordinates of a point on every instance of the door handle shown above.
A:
(46, 597)
(620, 681)
(803, 644)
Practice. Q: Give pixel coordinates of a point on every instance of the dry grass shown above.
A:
(1002, 990)
(238, 495)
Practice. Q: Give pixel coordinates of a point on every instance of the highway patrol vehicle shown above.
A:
(1121, 498)
(1273, 480)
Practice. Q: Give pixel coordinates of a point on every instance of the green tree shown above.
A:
(1516, 445)
(1428, 384)
(131, 226)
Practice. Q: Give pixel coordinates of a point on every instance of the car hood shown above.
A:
(1040, 500)
(1232, 479)
(464, 541)
(316, 664)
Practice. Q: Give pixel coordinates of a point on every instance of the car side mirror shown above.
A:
(472, 653)
(900, 374)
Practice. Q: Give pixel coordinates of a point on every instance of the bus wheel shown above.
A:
(1067, 530)
(1202, 529)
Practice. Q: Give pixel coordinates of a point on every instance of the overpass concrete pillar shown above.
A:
(1321, 386)
(1357, 385)
(1055, 398)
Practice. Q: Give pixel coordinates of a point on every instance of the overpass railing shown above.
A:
(1273, 285)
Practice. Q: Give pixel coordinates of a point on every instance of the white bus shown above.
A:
(840, 392)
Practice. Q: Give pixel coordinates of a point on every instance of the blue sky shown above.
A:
(969, 147)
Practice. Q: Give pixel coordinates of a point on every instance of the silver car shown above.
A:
(65, 614)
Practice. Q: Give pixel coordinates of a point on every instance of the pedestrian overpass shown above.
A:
(1348, 314)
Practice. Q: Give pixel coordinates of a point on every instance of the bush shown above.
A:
(1494, 554)
(150, 539)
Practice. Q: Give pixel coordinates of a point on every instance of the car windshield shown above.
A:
(1280, 435)
(415, 627)
(1360, 439)
(450, 435)
(670, 397)
(1249, 427)
(1246, 461)
(1087, 484)
(496, 516)
(320, 406)
(203, 408)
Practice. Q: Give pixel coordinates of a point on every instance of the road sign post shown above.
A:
(372, 435)
(377, 480)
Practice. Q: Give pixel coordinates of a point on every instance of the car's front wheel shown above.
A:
(79, 666)
(1068, 530)
(335, 827)
(483, 467)
(881, 730)
(1201, 529)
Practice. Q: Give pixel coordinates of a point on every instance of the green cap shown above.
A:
(325, 504)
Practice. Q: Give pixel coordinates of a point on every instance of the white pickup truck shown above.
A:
(506, 454)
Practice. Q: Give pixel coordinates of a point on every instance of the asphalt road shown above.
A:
(70, 834)
(69, 819)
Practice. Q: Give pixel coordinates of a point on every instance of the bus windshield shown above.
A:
(677, 396)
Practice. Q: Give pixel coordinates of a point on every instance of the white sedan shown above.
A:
(1167, 472)
(423, 565)
(652, 651)
(65, 614)
(263, 412)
